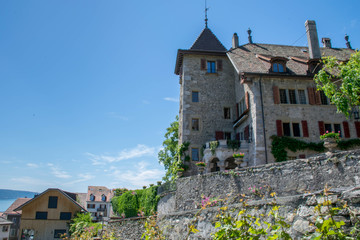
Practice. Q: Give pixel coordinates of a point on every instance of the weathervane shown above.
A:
(206, 19)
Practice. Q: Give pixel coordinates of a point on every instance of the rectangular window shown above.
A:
(59, 232)
(91, 206)
(227, 135)
(65, 215)
(328, 127)
(211, 67)
(227, 113)
(337, 128)
(53, 202)
(242, 106)
(292, 96)
(195, 154)
(195, 96)
(323, 98)
(302, 96)
(5, 228)
(296, 129)
(195, 124)
(286, 129)
(283, 98)
(41, 215)
(13, 232)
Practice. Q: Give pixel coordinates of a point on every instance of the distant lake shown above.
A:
(5, 204)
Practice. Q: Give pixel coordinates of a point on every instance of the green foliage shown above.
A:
(213, 146)
(130, 203)
(83, 222)
(169, 155)
(233, 144)
(152, 231)
(344, 93)
(120, 191)
(330, 135)
(280, 144)
(347, 144)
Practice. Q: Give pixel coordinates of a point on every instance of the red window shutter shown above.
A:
(311, 95)
(219, 65)
(276, 95)
(302, 156)
(219, 135)
(203, 64)
(237, 136)
(247, 100)
(321, 127)
(279, 129)
(237, 111)
(357, 127)
(305, 128)
(346, 129)
(317, 97)
(246, 133)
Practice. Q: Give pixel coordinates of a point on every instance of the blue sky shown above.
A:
(87, 87)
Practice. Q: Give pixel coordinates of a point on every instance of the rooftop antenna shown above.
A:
(206, 18)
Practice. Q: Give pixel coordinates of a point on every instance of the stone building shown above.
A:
(98, 202)
(250, 93)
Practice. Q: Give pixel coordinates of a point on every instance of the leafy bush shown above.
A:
(132, 202)
(83, 222)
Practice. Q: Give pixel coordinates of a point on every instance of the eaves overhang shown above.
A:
(182, 52)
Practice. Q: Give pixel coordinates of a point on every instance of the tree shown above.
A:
(340, 82)
(169, 155)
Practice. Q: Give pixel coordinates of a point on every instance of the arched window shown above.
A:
(103, 198)
(92, 197)
(278, 67)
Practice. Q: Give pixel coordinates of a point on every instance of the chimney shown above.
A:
(249, 37)
(326, 42)
(235, 41)
(313, 40)
(347, 41)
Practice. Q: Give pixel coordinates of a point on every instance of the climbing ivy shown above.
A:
(280, 144)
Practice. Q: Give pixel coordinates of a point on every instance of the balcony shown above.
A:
(101, 209)
(220, 157)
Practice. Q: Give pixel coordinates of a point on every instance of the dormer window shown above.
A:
(103, 198)
(92, 197)
(278, 67)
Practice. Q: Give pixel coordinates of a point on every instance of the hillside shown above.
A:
(13, 194)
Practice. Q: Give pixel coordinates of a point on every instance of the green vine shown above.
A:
(233, 144)
(213, 146)
(280, 144)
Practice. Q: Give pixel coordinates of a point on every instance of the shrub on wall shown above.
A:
(132, 202)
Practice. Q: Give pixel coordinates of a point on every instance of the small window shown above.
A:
(302, 97)
(278, 67)
(227, 135)
(227, 113)
(65, 215)
(292, 96)
(195, 96)
(283, 98)
(91, 206)
(195, 124)
(337, 129)
(59, 232)
(5, 228)
(41, 215)
(328, 127)
(92, 197)
(242, 106)
(211, 67)
(52, 202)
(323, 98)
(103, 198)
(195, 154)
(296, 129)
(286, 128)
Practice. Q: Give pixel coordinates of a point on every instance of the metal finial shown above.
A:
(206, 18)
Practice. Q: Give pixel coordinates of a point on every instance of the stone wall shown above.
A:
(129, 229)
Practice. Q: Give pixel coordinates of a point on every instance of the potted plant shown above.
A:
(239, 159)
(201, 166)
(158, 183)
(180, 172)
(330, 140)
(144, 187)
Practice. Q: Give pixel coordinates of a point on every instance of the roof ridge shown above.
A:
(207, 40)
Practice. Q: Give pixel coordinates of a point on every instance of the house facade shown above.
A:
(251, 93)
(15, 217)
(4, 229)
(47, 215)
(98, 202)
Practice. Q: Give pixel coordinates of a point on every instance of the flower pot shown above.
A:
(239, 161)
(330, 144)
(180, 173)
(201, 169)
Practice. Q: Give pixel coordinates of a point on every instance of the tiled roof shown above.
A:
(98, 191)
(207, 41)
(17, 203)
(251, 58)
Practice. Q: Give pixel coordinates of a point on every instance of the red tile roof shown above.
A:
(17, 203)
